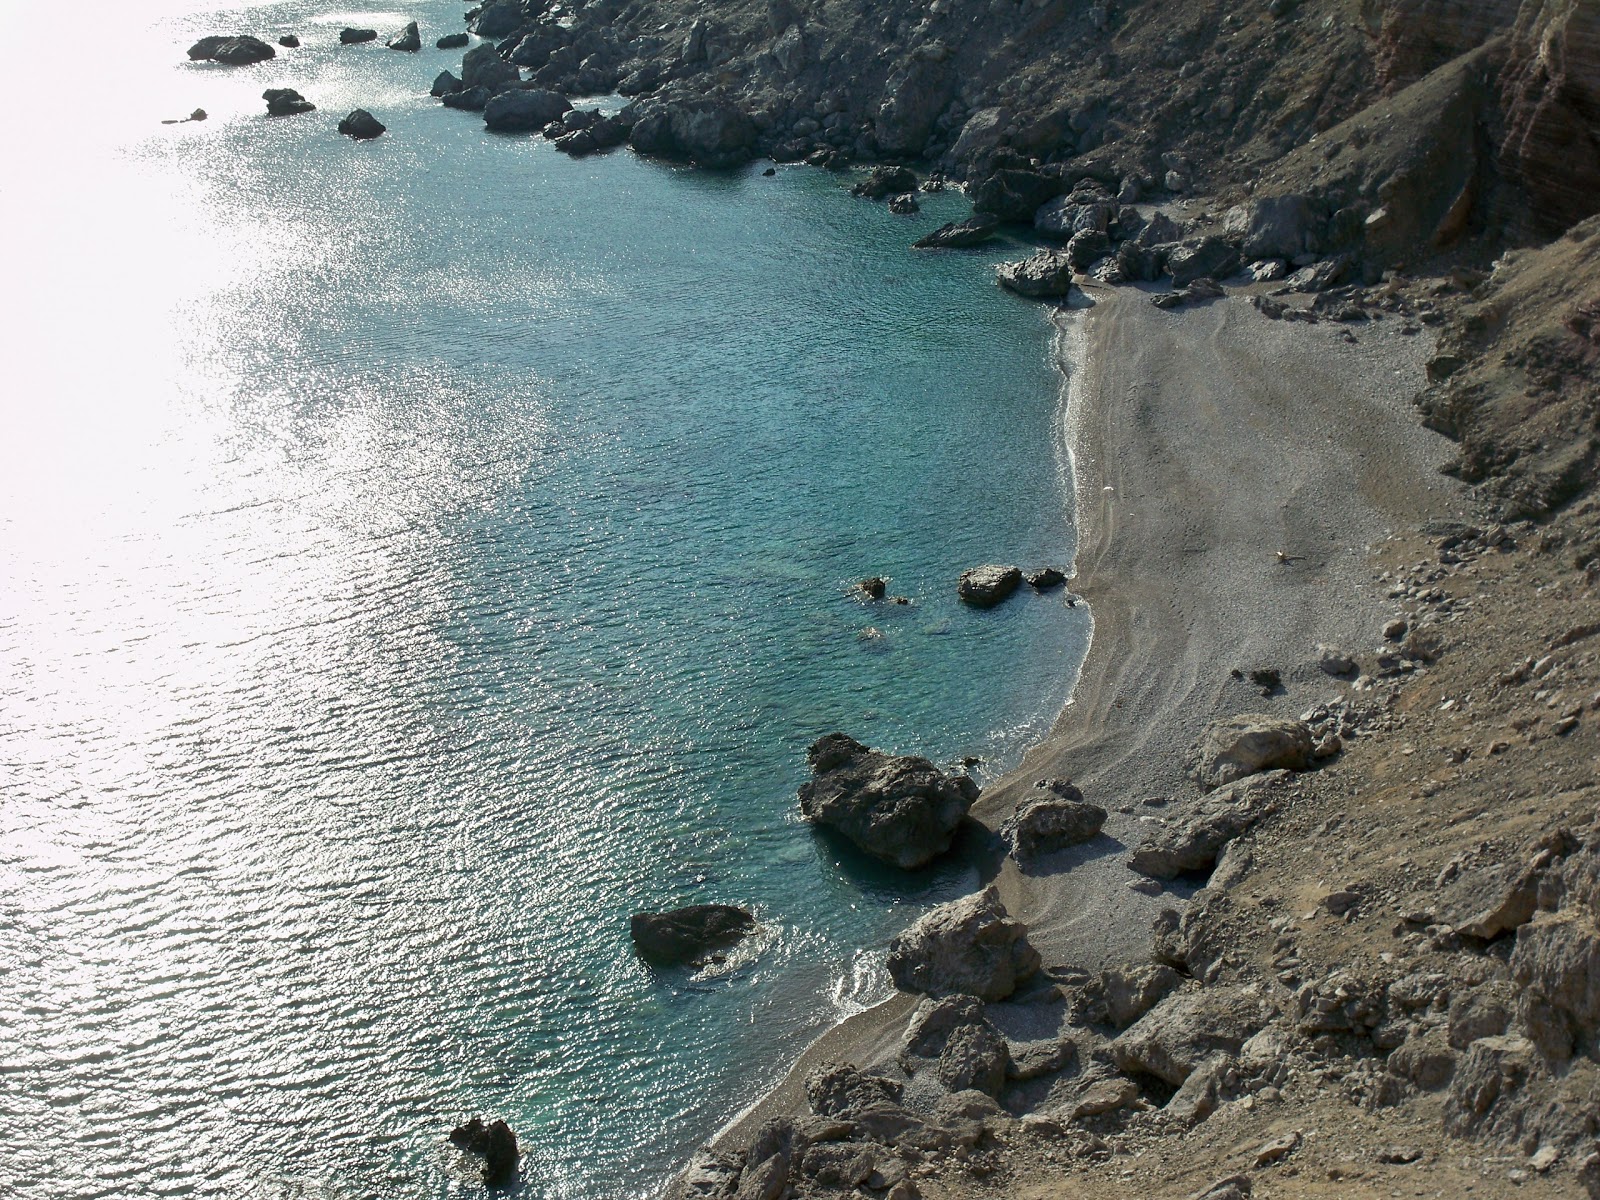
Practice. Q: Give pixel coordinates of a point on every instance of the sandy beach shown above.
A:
(1204, 441)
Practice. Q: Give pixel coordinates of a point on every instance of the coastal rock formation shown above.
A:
(684, 935)
(286, 102)
(354, 37)
(1047, 273)
(483, 67)
(1193, 840)
(972, 231)
(444, 84)
(361, 125)
(899, 808)
(1051, 822)
(239, 50)
(494, 1142)
(1551, 95)
(1239, 746)
(988, 585)
(1045, 579)
(710, 133)
(408, 39)
(904, 204)
(968, 946)
(886, 181)
(523, 111)
(453, 41)
(498, 19)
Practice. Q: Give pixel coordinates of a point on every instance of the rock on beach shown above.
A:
(1239, 746)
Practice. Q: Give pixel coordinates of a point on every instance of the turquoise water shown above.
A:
(416, 556)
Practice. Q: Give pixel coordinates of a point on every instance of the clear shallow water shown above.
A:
(416, 556)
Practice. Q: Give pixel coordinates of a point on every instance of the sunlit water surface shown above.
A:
(414, 557)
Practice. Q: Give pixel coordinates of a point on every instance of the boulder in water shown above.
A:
(286, 102)
(444, 84)
(289, 42)
(979, 227)
(239, 50)
(408, 39)
(352, 37)
(688, 934)
(1046, 273)
(361, 125)
(495, 1142)
(988, 585)
(452, 41)
(524, 111)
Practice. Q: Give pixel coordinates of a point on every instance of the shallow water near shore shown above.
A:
(416, 556)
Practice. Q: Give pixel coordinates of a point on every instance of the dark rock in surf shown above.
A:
(898, 808)
(904, 205)
(979, 227)
(241, 50)
(482, 66)
(452, 41)
(686, 935)
(445, 84)
(988, 585)
(875, 587)
(289, 42)
(361, 125)
(467, 99)
(524, 111)
(286, 102)
(498, 20)
(408, 39)
(886, 181)
(494, 1142)
(1045, 579)
(354, 37)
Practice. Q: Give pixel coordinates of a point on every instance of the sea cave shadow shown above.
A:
(948, 876)
(1056, 862)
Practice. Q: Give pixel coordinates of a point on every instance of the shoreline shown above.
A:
(1185, 589)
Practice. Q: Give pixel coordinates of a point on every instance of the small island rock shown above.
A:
(495, 1142)
(988, 585)
(239, 50)
(289, 42)
(978, 228)
(1045, 274)
(286, 102)
(687, 934)
(408, 39)
(968, 946)
(361, 125)
(899, 808)
(452, 41)
(352, 37)
(1045, 579)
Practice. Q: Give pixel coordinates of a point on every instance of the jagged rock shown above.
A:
(886, 181)
(1517, 902)
(1240, 746)
(1081, 211)
(1238, 1187)
(354, 37)
(1042, 274)
(361, 125)
(1016, 194)
(899, 808)
(1051, 823)
(524, 110)
(1106, 1096)
(1485, 1011)
(710, 133)
(1335, 662)
(497, 20)
(1193, 841)
(1034, 1060)
(904, 205)
(968, 946)
(1274, 227)
(686, 934)
(286, 102)
(914, 95)
(445, 84)
(1087, 247)
(1200, 1094)
(978, 135)
(1130, 992)
(1210, 257)
(1550, 91)
(1180, 1033)
(452, 41)
(495, 1142)
(1426, 1061)
(974, 1057)
(408, 39)
(839, 1165)
(483, 67)
(978, 228)
(240, 50)
(931, 1025)
(467, 99)
(988, 585)
(1045, 579)
(1557, 964)
(1492, 1070)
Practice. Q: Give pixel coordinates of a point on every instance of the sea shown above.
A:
(418, 555)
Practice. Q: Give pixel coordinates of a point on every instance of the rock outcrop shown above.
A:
(1192, 840)
(898, 808)
(1045, 274)
(709, 133)
(1053, 821)
(524, 110)
(1185, 1030)
(1550, 91)
(494, 1142)
(685, 935)
(968, 946)
(408, 39)
(988, 585)
(1239, 746)
(286, 102)
(972, 231)
(361, 125)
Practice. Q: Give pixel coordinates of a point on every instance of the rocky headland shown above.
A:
(1299, 898)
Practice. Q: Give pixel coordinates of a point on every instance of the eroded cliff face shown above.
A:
(1551, 95)
(1415, 37)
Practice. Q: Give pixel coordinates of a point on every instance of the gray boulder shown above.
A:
(497, 20)
(898, 808)
(1211, 257)
(482, 66)
(408, 39)
(974, 1058)
(240, 50)
(1183, 1031)
(1086, 248)
(1239, 746)
(354, 37)
(988, 585)
(1052, 822)
(687, 934)
(709, 133)
(1016, 193)
(978, 228)
(1043, 274)
(969, 946)
(1080, 212)
(492, 1141)
(361, 125)
(467, 99)
(524, 110)
(904, 204)
(1130, 992)
(1194, 839)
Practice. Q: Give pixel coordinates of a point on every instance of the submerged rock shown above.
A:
(687, 934)
(988, 585)
(899, 808)
(968, 946)
(240, 50)
(286, 102)
(886, 181)
(495, 1142)
(361, 125)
